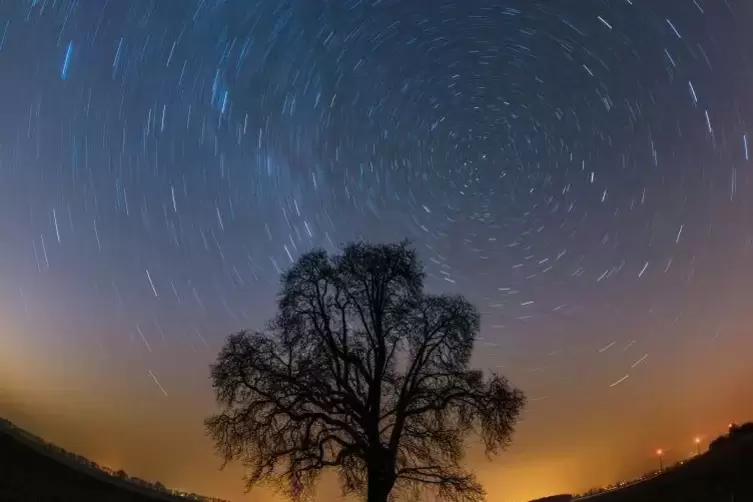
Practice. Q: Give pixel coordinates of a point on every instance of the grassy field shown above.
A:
(29, 474)
(721, 475)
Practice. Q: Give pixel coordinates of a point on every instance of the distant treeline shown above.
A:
(735, 433)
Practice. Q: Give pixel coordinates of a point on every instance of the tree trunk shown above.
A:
(379, 489)
(381, 480)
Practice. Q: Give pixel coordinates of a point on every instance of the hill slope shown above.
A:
(29, 474)
(724, 474)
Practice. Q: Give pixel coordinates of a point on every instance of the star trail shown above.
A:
(578, 169)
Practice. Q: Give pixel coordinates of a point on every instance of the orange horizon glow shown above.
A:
(515, 476)
(584, 435)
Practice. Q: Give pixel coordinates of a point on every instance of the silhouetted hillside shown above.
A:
(555, 498)
(33, 470)
(723, 474)
(735, 433)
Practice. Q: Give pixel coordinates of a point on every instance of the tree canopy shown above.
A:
(364, 373)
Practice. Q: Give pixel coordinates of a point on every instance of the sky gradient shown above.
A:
(578, 169)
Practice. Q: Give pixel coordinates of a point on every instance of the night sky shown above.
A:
(578, 169)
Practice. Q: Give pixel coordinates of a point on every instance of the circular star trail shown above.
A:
(579, 170)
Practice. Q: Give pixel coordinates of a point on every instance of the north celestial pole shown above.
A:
(580, 170)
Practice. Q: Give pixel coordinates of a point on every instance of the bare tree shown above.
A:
(362, 372)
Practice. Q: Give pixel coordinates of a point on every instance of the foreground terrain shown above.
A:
(32, 471)
(724, 474)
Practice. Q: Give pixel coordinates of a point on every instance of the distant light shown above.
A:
(697, 440)
(660, 452)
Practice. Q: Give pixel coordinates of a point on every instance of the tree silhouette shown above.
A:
(745, 429)
(363, 372)
(734, 433)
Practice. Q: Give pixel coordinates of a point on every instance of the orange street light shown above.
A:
(660, 453)
(698, 445)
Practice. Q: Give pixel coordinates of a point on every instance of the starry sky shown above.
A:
(578, 169)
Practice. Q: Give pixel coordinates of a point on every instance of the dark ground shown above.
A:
(28, 475)
(720, 475)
